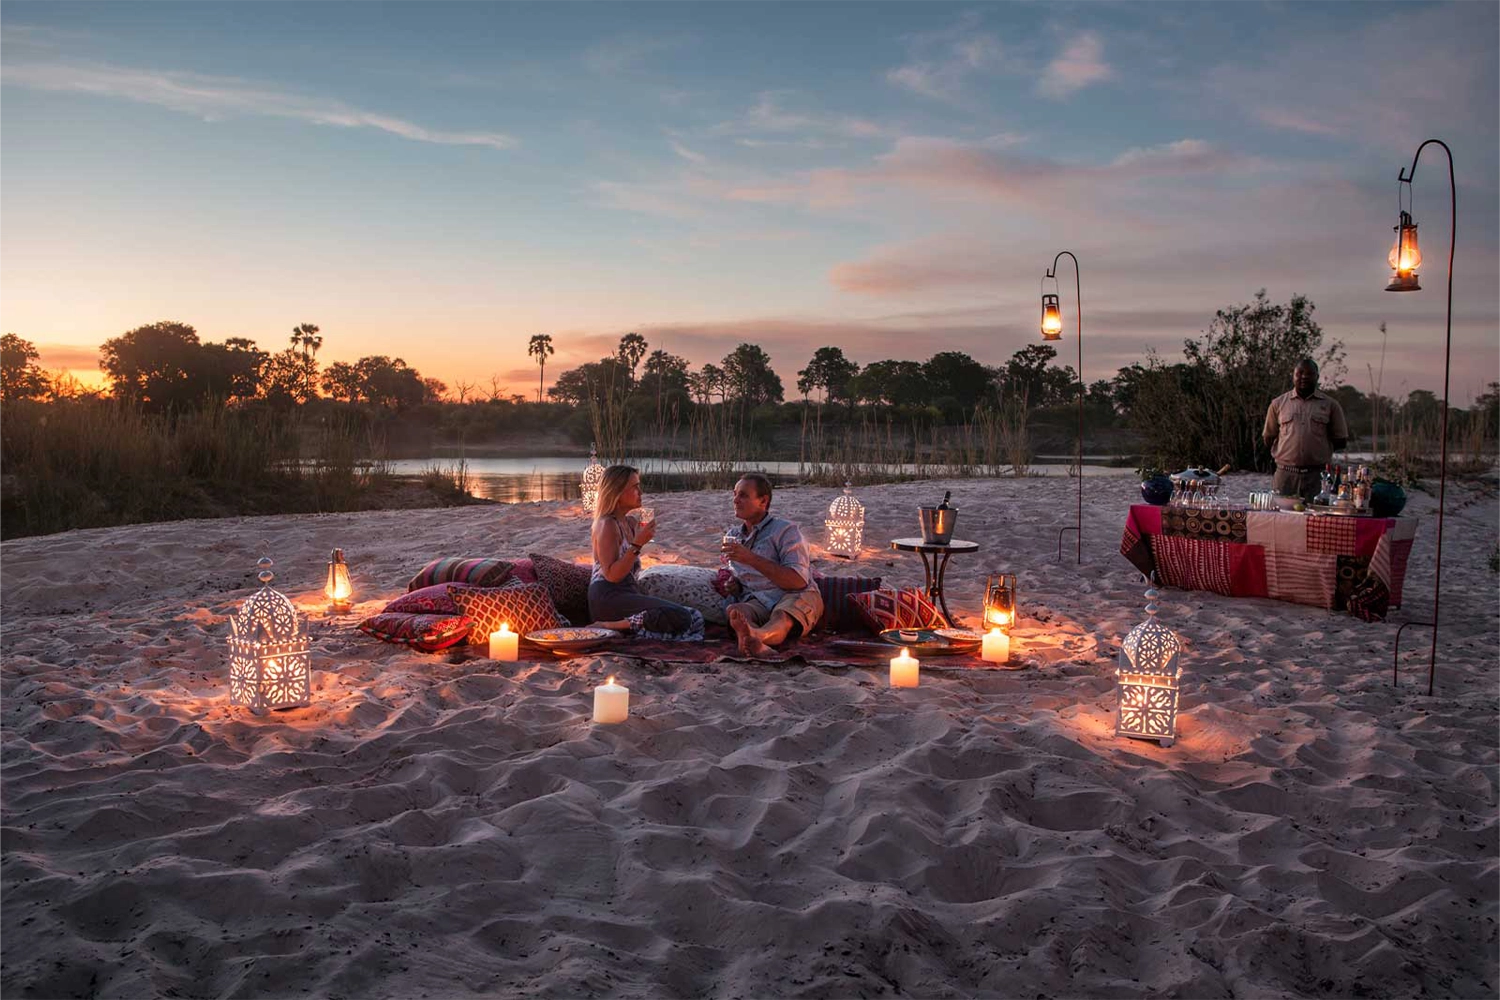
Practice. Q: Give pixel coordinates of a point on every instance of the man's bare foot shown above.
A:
(753, 646)
(741, 626)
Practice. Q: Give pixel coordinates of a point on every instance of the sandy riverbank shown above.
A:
(431, 827)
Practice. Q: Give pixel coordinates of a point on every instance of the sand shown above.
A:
(436, 826)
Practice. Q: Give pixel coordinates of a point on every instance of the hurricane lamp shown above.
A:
(1000, 601)
(1405, 257)
(338, 591)
(1051, 317)
(269, 663)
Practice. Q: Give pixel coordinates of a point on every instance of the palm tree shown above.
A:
(633, 348)
(306, 337)
(541, 348)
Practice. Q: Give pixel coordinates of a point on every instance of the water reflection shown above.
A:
(527, 480)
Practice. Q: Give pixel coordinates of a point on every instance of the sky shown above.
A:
(438, 182)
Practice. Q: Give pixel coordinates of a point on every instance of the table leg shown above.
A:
(936, 592)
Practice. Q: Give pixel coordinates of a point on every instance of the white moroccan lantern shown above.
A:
(269, 665)
(846, 525)
(593, 478)
(1147, 680)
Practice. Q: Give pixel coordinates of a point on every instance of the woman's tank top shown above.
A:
(598, 573)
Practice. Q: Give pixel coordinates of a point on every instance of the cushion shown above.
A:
(568, 583)
(432, 600)
(839, 615)
(690, 586)
(475, 572)
(525, 607)
(521, 570)
(905, 608)
(429, 633)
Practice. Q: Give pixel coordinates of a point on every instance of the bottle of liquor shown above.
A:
(1325, 485)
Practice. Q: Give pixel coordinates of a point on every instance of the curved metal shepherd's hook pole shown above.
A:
(1082, 391)
(1437, 582)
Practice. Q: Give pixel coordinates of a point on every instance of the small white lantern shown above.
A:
(1147, 680)
(593, 478)
(846, 525)
(269, 664)
(338, 590)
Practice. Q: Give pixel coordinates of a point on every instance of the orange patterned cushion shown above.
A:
(906, 608)
(524, 607)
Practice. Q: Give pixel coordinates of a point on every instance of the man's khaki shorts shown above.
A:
(804, 607)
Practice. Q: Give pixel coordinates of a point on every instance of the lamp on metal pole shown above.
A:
(1405, 257)
(1052, 330)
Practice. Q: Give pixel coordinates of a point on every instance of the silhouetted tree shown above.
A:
(830, 371)
(747, 370)
(20, 376)
(632, 349)
(154, 365)
(305, 337)
(541, 349)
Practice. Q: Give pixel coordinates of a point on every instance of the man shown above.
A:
(778, 599)
(1304, 428)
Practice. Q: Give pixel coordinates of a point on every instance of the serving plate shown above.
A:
(931, 642)
(571, 640)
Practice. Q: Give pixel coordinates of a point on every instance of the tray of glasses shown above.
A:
(933, 641)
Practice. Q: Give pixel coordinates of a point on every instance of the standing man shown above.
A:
(1304, 428)
(769, 558)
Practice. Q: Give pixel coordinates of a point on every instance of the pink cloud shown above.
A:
(1080, 64)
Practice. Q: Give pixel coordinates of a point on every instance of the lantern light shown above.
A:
(1146, 681)
(1000, 601)
(593, 478)
(269, 663)
(846, 525)
(1405, 257)
(1051, 317)
(338, 590)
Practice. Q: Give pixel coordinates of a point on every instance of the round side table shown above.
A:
(935, 564)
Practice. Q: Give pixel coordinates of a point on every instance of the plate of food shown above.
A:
(932, 642)
(572, 640)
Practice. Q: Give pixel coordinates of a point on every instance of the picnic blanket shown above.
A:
(1353, 563)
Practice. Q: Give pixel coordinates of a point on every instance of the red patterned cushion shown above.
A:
(429, 633)
(433, 600)
(839, 615)
(474, 572)
(568, 583)
(524, 607)
(905, 608)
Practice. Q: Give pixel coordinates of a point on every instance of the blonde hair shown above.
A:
(616, 479)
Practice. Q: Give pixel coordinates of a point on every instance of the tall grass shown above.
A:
(94, 463)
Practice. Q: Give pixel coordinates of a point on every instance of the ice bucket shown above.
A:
(937, 524)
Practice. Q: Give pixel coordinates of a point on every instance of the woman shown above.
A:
(614, 600)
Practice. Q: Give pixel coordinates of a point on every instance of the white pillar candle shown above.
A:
(503, 644)
(904, 670)
(996, 646)
(611, 702)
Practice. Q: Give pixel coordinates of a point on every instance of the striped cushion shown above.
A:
(525, 607)
(474, 572)
(429, 633)
(839, 614)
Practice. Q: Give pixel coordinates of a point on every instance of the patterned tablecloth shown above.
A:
(1354, 563)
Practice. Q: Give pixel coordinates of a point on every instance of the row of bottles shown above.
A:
(1345, 486)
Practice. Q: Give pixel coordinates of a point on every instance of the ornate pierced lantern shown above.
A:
(1405, 257)
(593, 478)
(1051, 317)
(269, 665)
(1147, 680)
(846, 525)
(338, 591)
(1000, 601)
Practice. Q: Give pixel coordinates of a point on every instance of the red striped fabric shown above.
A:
(1193, 564)
(1304, 578)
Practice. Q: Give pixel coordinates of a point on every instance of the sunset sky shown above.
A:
(439, 182)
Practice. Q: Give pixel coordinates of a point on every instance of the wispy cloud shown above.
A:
(945, 75)
(769, 114)
(692, 156)
(214, 98)
(1389, 82)
(1080, 63)
(627, 52)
